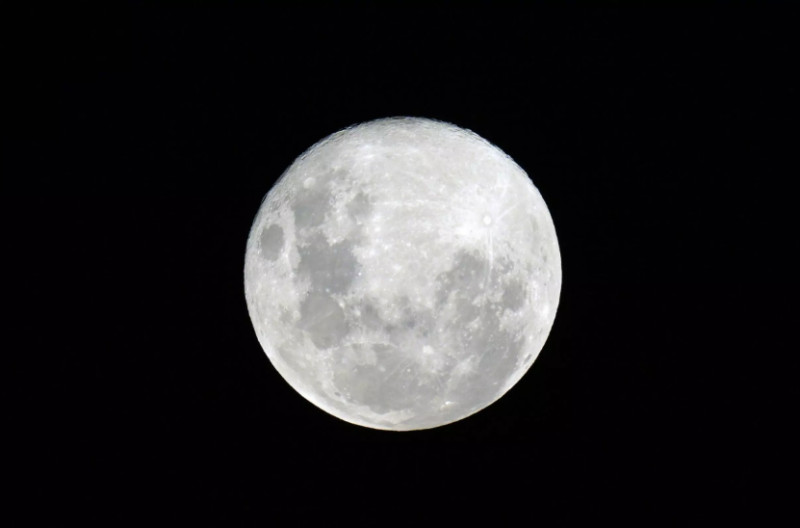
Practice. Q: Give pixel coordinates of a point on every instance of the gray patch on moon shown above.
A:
(359, 207)
(330, 268)
(370, 318)
(271, 241)
(514, 295)
(393, 383)
(310, 208)
(311, 205)
(497, 351)
(464, 279)
(313, 200)
(434, 384)
(413, 327)
(422, 322)
(323, 320)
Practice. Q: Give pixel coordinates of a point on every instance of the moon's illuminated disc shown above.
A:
(402, 274)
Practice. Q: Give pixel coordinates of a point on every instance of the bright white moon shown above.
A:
(402, 274)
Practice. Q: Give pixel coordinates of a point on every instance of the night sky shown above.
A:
(143, 141)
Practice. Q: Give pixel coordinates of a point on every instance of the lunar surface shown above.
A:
(402, 274)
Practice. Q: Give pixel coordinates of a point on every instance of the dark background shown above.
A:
(142, 143)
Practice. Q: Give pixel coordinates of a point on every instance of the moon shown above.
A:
(402, 274)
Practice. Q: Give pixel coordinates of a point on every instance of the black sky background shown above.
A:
(142, 143)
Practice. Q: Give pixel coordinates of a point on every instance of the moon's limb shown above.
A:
(403, 274)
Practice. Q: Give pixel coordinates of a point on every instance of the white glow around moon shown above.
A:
(403, 274)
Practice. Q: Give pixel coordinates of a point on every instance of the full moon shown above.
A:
(402, 274)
